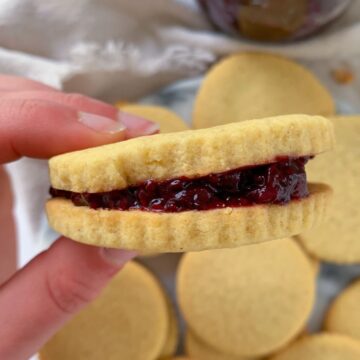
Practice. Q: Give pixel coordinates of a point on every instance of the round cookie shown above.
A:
(248, 301)
(337, 240)
(198, 350)
(128, 320)
(121, 103)
(321, 347)
(171, 342)
(168, 120)
(188, 154)
(344, 314)
(256, 85)
(315, 264)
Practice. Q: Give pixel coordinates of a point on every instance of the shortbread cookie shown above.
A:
(315, 264)
(321, 347)
(248, 301)
(198, 350)
(344, 314)
(171, 342)
(168, 120)
(121, 103)
(256, 85)
(195, 189)
(337, 240)
(129, 321)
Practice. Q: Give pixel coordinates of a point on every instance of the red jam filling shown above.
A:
(274, 183)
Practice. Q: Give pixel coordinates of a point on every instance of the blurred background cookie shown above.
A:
(248, 301)
(130, 320)
(167, 119)
(337, 240)
(254, 85)
(321, 347)
(344, 314)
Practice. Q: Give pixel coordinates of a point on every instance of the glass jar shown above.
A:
(272, 20)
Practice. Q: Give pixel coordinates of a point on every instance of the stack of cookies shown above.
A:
(233, 194)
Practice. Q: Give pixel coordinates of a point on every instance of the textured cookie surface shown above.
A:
(254, 85)
(190, 153)
(248, 301)
(321, 347)
(198, 350)
(344, 314)
(188, 230)
(168, 120)
(129, 321)
(337, 240)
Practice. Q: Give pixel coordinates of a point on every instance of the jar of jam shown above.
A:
(272, 20)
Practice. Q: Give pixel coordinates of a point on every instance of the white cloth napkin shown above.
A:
(122, 49)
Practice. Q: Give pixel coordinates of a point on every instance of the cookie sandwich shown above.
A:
(226, 186)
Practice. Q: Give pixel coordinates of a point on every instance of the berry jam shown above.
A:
(274, 183)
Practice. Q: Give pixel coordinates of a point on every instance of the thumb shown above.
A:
(47, 292)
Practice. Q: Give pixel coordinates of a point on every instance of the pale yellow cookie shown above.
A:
(248, 301)
(315, 264)
(168, 120)
(256, 85)
(337, 240)
(198, 350)
(344, 314)
(321, 347)
(129, 321)
(188, 230)
(121, 103)
(172, 338)
(190, 153)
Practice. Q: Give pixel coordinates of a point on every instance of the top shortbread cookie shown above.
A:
(190, 153)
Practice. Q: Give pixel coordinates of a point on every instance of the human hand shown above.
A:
(39, 121)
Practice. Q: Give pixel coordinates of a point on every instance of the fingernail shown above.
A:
(100, 123)
(117, 257)
(138, 124)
